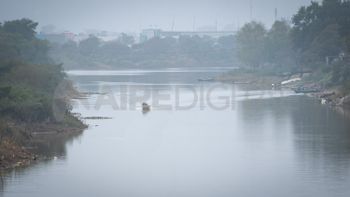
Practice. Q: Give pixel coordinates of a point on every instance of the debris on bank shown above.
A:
(12, 155)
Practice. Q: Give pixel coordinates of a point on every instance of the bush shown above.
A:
(24, 104)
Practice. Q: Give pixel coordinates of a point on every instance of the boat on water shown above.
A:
(206, 79)
(306, 90)
(146, 107)
(240, 82)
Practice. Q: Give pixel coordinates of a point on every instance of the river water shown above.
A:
(199, 139)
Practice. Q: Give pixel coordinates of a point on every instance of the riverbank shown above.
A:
(333, 96)
(326, 94)
(13, 155)
(20, 141)
(250, 78)
(323, 89)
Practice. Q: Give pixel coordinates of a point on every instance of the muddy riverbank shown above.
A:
(21, 143)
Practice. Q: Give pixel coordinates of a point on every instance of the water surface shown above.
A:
(266, 143)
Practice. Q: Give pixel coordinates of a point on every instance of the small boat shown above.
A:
(306, 90)
(206, 79)
(240, 82)
(146, 107)
(290, 81)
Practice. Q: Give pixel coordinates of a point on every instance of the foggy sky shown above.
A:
(134, 15)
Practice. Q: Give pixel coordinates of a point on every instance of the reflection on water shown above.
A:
(53, 145)
(2, 183)
(271, 143)
(321, 136)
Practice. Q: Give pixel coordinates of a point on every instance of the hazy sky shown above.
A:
(134, 15)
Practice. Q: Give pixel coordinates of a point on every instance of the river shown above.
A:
(198, 139)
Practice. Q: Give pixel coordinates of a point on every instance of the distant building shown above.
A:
(152, 33)
(81, 36)
(107, 36)
(66, 36)
(59, 38)
(147, 34)
(69, 35)
(214, 34)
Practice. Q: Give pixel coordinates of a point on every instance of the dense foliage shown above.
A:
(27, 76)
(321, 37)
(318, 40)
(271, 49)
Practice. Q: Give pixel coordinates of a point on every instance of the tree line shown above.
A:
(184, 51)
(317, 39)
(28, 76)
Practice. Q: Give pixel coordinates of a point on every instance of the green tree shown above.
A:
(89, 46)
(306, 25)
(18, 42)
(279, 47)
(320, 28)
(327, 45)
(28, 78)
(321, 32)
(23, 27)
(114, 50)
(250, 44)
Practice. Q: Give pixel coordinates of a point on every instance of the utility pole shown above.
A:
(251, 9)
(173, 25)
(194, 24)
(276, 14)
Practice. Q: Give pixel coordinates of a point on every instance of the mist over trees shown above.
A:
(261, 48)
(18, 41)
(184, 51)
(28, 78)
(317, 39)
(251, 44)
